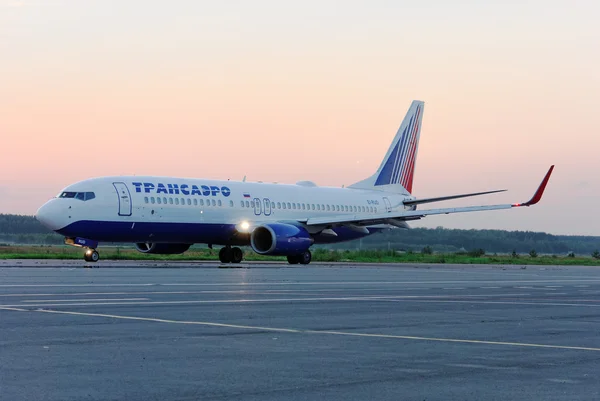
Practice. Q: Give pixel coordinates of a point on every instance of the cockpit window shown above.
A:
(83, 196)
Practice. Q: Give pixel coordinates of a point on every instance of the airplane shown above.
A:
(166, 215)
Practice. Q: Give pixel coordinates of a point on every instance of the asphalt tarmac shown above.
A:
(273, 332)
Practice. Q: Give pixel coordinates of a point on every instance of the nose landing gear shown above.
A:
(91, 255)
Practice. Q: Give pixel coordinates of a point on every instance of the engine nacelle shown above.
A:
(280, 239)
(164, 249)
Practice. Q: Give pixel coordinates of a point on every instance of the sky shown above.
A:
(307, 90)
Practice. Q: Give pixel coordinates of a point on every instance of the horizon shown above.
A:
(307, 91)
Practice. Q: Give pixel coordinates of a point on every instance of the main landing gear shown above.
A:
(91, 255)
(231, 255)
(304, 258)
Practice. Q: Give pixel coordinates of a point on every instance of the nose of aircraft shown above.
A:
(49, 215)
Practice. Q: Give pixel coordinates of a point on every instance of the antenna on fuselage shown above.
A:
(244, 179)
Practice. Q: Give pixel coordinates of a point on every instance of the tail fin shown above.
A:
(395, 174)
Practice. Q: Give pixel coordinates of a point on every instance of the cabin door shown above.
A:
(124, 198)
(388, 206)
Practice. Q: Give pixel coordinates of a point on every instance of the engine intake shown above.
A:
(280, 239)
(163, 249)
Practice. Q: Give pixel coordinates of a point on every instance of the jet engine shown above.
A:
(280, 239)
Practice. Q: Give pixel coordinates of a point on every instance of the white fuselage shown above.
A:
(166, 209)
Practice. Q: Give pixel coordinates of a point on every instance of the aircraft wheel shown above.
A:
(225, 255)
(236, 255)
(293, 259)
(91, 255)
(305, 258)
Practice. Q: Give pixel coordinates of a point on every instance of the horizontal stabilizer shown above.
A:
(445, 198)
(394, 217)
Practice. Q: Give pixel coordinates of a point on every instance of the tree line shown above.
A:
(27, 230)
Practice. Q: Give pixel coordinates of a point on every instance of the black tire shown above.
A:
(225, 255)
(236, 255)
(305, 258)
(95, 256)
(293, 259)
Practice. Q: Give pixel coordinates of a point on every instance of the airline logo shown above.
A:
(400, 166)
(180, 189)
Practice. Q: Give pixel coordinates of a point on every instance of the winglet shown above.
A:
(540, 191)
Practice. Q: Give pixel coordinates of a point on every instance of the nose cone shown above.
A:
(49, 215)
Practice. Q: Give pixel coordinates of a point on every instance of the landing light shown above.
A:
(245, 225)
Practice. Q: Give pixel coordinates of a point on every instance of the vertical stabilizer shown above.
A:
(397, 169)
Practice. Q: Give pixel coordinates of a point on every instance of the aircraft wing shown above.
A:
(398, 218)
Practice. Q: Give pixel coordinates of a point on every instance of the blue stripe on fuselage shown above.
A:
(188, 233)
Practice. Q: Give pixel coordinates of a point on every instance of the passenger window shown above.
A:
(294, 206)
(201, 202)
(242, 202)
(272, 205)
(288, 205)
(230, 203)
(247, 204)
(182, 201)
(165, 200)
(176, 201)
(145, 199)
(214, 203)
(327, 207)
(252, 203)
(313, 206)
(220, 204)
(189, 202)
(195, 202)
(318, 207)
(171, 201)
(158, 200)
(283, 205)
(278, 205)
(152, 200)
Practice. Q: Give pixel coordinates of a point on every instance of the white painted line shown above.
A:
(524, 287)
(487, 302)
(246, 284)
(398, 298)
(328, 332)
(487, 288)
(581, 286)
(86, 300)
